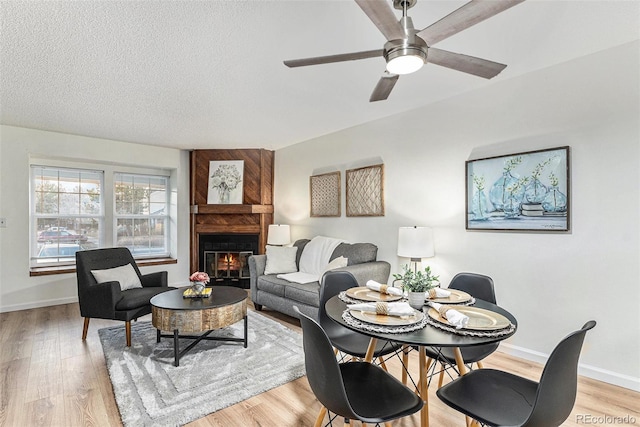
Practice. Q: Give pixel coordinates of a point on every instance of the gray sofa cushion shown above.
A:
(300, 244)
(356, 253)
(307, 293)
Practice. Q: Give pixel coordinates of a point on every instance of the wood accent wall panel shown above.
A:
(253, 216)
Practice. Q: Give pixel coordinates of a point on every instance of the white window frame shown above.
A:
(164, 217)
(107, 227)
(35, 260)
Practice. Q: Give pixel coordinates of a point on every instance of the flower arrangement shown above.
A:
(199, 281)
(199, 276)
(417, 281)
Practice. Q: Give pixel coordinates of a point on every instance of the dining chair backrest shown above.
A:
(476, 285)
(323, 371)
(558, 384)
(331, 284)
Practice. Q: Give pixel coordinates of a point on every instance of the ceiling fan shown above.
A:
(408, 49)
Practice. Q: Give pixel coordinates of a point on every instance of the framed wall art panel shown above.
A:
(365, 191)
(325, 195)
(526, 191)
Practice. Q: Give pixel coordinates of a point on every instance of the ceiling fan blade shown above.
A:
(383, 17)
(333, 58)
(384, 87)
(465, 63)
(460, 19)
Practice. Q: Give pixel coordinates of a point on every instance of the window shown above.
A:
(98, 206)
(66, 213)
(141, 213)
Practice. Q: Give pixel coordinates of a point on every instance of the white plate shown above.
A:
(381, 319)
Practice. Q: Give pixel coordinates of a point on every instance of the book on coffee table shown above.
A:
(189, 293)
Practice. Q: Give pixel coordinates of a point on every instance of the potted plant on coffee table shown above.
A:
(417, 283)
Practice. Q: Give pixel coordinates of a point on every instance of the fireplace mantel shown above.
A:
(231, 209)
(253, 216)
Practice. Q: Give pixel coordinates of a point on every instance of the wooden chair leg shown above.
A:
(480, 365)
(85, 328)
(320, 418)
(382, 364)
(127, 327)
(441, 377)
(405, 362)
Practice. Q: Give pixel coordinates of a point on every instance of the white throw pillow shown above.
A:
(126, 275)
(281, 259)
(336, 263)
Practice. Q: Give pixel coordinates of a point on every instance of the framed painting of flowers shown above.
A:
(225, 182)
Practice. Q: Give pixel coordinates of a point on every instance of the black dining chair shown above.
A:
(478, 286)
(343, 339)
(106, 300)
(354, 390)
(498, 398)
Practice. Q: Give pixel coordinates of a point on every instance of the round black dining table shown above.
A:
(429, 336)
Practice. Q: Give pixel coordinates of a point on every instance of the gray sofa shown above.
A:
(281, 295)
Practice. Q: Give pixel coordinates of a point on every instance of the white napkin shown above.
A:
(372, 284)
(454, 317)
(393, 308)
(440, 293)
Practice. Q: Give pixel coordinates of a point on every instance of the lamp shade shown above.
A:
(279, 234)
(415, 242)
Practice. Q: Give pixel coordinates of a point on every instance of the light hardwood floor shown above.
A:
(49, 377)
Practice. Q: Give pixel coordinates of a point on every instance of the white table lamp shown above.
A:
(415, 243)
(278, 235)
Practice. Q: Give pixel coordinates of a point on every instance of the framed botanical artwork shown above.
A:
(526, 191)
(225, 182)
(365, 191)
(325, 194)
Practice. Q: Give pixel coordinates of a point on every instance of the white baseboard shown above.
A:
(615, 378)
(38, 304)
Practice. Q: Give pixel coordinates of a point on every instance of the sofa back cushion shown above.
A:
(300, 244)
(356, 253)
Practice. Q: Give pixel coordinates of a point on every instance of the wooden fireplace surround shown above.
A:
(255, 213)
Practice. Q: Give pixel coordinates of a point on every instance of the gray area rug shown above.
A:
(150, 391)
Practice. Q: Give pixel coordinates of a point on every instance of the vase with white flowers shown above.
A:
(417, 283)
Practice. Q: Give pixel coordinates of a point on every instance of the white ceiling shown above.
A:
(209, 74)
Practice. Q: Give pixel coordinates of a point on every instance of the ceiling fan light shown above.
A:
(406, 64)
(405, 59)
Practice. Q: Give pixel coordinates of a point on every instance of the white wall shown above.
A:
(552, 283)
(17, 289)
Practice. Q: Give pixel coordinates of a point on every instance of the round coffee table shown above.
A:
(170, 311)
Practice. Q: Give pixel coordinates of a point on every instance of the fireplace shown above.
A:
(224, 257)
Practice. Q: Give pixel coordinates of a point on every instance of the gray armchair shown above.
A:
(106, 300)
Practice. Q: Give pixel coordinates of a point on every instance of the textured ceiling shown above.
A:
(209, 74)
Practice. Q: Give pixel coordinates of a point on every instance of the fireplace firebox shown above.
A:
(224, 257)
